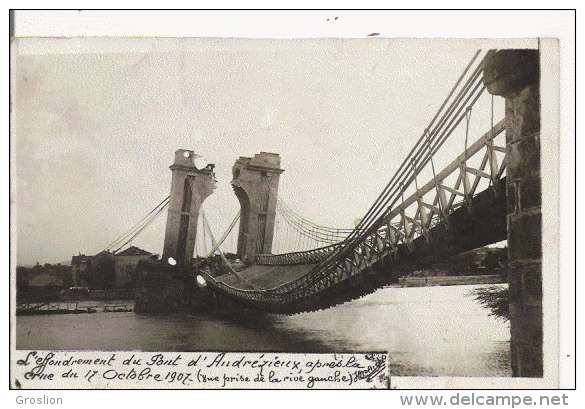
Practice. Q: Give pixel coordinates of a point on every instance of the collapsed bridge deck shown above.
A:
(291, 288)
(260, 277)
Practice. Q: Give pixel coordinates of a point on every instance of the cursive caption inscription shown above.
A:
(198, 370)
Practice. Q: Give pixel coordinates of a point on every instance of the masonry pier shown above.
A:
(169, 284)
(515, 75)
(255, 183)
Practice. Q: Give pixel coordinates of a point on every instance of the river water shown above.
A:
(430, 331)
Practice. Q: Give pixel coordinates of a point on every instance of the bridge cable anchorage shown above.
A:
(126, 234)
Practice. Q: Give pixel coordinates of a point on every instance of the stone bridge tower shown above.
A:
(515, 75)
(190, 186)
(255, 183)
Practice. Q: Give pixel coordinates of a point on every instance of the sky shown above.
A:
(95, 123)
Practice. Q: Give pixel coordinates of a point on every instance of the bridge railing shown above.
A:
(299, 257)
(449, 198)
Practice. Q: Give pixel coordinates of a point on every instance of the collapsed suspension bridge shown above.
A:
(424, 212)
(472, 178)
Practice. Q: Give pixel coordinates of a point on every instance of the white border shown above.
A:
(398, 24)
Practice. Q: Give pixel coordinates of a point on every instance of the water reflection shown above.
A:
(427, 331)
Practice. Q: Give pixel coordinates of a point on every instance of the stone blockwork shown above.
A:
(255, 183)
(514, 74)
(189, 188)
(164, 289)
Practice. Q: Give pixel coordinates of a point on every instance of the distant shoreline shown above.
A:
(450, 280)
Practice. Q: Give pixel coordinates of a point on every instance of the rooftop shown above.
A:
(134, 251)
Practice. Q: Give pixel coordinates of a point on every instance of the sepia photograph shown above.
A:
(372, 205)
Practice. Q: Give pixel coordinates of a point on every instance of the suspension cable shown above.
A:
(281, 205)
(309, 231)
(309, 227)
(144, 226)
(137, 225)
(218, 244)
(214, 244)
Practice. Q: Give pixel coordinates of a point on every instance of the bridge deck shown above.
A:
(480, 223)
(260, 277)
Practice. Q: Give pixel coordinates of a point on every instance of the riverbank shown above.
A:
(81, 307)
(450, 280)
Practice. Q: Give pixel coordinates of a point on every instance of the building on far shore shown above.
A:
(41, 282)
(125, 264)
(95, 272)
(80, 266)
(107, 270)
